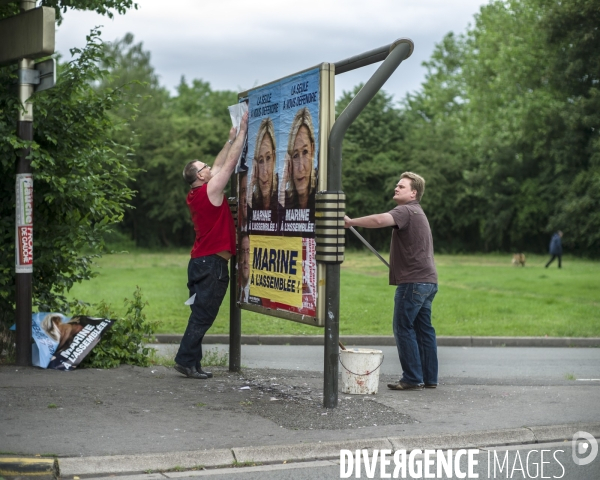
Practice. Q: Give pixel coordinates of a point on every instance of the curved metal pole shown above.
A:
(368, 58)
(398, 51)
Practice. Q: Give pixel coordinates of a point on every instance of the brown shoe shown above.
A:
(431, 385)
(404, 386)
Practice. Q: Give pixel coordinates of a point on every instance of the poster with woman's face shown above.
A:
(61, 342)
(278, 221)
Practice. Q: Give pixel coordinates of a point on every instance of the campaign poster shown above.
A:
(61, 343)
(276, 211)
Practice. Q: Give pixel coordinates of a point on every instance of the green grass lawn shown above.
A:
(478, 295)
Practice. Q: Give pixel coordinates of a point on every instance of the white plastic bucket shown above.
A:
(360, 370)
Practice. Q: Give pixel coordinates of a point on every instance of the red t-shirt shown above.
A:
(215, 231)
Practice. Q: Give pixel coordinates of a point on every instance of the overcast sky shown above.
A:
(240, 44)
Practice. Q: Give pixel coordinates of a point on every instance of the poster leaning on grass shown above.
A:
(287, 128)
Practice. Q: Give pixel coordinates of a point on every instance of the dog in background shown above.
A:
(518, 259)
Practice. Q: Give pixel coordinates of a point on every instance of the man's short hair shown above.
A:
(190, 172)
(417, 182)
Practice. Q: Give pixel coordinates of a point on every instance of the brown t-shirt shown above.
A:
(411, 250)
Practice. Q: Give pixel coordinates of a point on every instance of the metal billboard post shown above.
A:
(235, 313)
(392, 55)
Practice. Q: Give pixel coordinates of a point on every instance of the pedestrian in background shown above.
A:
(556, 248)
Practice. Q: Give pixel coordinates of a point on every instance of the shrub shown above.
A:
(124, 342)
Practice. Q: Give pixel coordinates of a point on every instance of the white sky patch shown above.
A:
(238, 44)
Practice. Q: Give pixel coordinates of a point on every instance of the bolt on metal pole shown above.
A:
(392, 56)
(24, 212)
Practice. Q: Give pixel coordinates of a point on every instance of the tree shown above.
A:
(371, 166)
(197, 122)
(533, 121)
(572, 32)
(506, 128)
(169, 132)
(434, 147)
(80, 177)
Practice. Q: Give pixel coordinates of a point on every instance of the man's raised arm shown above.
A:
(220, 160)
(218, 182)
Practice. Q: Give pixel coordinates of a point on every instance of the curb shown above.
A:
(28, 467)
(119, 464)
(359, 340)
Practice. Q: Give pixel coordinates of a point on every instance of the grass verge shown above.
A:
(478, 295)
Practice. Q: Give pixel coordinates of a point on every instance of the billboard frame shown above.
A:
(326, 120)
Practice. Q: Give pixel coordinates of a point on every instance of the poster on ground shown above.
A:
(61, 343)
(277, 268)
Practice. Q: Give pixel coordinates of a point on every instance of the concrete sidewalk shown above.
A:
(135, 420)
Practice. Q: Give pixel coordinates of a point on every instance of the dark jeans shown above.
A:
(415, 336)
(552, 259)
(208, 278)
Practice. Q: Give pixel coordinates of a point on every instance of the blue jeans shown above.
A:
(415, 336)
(208, 278)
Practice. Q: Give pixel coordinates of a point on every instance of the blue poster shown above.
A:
(283, 156)
(277, 194)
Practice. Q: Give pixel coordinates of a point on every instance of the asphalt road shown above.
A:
(148, 411)
(489, 364)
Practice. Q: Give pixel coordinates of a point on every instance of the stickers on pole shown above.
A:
(24, 223)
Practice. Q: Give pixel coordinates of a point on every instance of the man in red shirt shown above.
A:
(208, 273)
(413, 270)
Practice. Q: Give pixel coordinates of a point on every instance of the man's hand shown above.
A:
(232, 135)
(244, 124)
(222, 156)
(219, 180)
(347, 221)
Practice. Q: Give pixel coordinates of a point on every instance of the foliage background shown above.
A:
(80, 172)
(505, 129)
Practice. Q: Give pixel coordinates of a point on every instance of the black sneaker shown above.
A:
(190, 372)
(204, 372)
(404, 386)
(431, 385)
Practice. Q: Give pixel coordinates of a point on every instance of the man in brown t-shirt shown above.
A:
(412, 269)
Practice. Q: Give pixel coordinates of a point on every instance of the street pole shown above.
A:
(24, 211)
(392, 55)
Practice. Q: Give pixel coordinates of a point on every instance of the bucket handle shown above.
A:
(362, 374)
